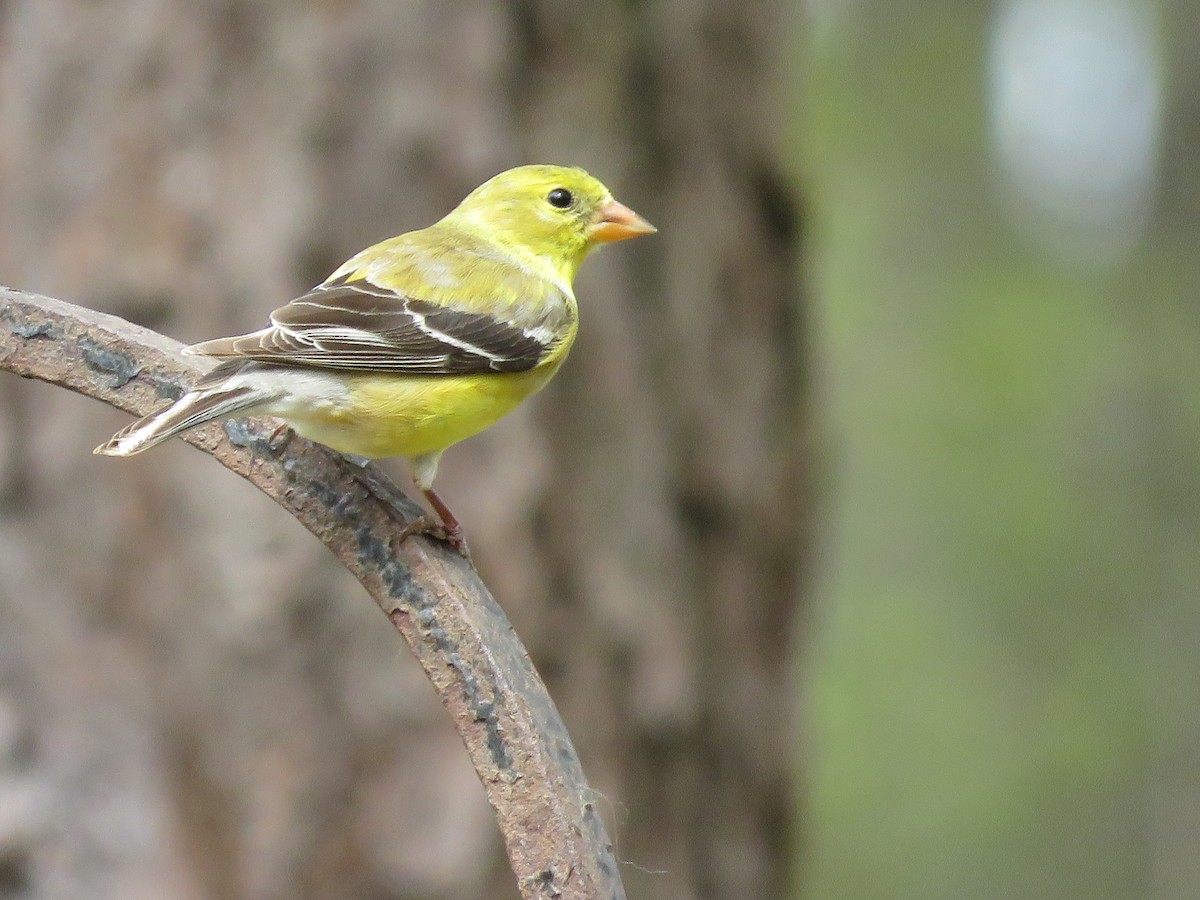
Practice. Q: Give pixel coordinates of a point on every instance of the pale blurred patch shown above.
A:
(1075, 106)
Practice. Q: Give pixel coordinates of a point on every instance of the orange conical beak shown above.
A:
(617, 222)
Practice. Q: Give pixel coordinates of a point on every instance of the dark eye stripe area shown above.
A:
(560, 198)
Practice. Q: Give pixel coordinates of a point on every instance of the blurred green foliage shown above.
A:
(1001, 695)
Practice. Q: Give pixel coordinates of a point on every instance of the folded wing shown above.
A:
(355, 324)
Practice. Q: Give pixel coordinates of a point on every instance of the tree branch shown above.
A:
(517, 742)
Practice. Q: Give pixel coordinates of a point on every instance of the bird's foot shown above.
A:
(279, 438)
(394, 500)
(439, 531)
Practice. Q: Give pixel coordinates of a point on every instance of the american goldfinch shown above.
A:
(422, 340)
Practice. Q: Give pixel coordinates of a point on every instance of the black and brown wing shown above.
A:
(359, 325)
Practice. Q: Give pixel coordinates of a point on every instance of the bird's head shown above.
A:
(556, 213)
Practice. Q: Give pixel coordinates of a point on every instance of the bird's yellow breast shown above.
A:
(406, 415)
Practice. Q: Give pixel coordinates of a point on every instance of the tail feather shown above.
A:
(189, 411)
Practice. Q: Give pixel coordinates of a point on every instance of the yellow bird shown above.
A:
(419, 341)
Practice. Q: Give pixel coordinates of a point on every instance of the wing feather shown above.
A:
(356, 324)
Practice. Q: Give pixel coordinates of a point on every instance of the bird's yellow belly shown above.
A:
(405, 415)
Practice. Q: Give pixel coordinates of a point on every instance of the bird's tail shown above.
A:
(192, 409)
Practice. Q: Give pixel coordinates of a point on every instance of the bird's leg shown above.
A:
(395, 502)
(424, 468)
(447, 530)
(452, 532)
(280, 437)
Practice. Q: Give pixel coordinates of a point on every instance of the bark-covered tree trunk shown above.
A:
(672, 525)
(192, 165)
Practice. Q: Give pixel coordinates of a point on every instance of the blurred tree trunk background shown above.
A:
(195, 701)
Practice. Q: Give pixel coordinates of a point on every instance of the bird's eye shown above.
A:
(560, 198)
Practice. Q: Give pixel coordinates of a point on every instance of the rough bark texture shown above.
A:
(514, 736)
(194, 702)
